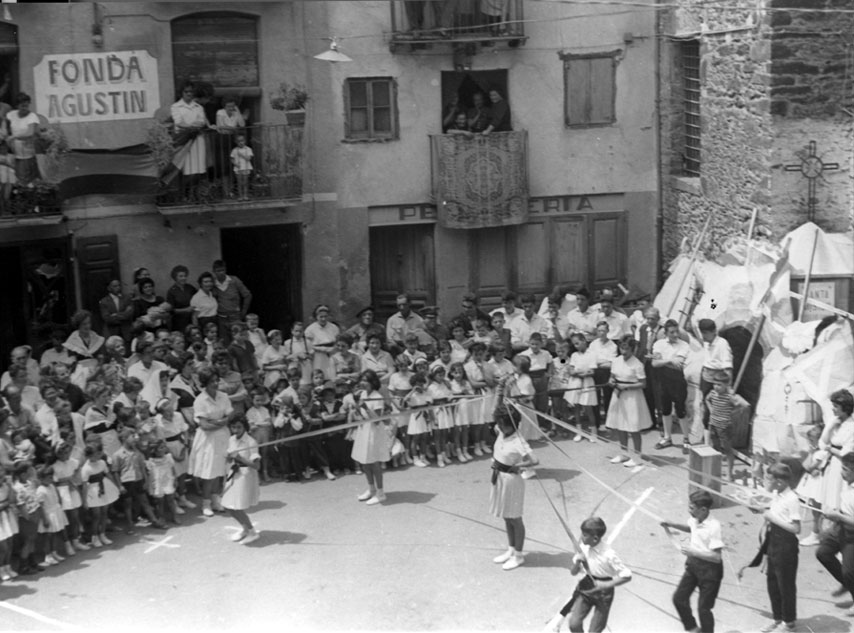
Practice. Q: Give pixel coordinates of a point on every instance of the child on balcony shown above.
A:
(241, 158)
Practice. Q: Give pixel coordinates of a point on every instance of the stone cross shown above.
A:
(811, 167)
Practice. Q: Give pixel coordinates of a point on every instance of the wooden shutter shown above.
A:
(577, 81)
(601, 90)
(98, 262)
(218, 48)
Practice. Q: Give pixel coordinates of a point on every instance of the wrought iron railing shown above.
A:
(469, 20)
(38, 199)
(277, 168)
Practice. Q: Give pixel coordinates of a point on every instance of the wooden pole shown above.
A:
(694, 254)
(806, 292)
(747, 257)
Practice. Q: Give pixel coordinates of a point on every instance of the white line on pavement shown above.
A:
(153, 544)
(628, 515)
(36, 616)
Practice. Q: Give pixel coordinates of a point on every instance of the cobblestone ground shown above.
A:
(422, 561)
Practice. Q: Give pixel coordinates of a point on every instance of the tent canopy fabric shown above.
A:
(834, 252)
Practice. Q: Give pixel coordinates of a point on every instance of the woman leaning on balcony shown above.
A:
(229, 120)
(23, 127)
(499, 113)
(189, 120)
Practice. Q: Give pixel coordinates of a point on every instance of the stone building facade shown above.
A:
(775, 112)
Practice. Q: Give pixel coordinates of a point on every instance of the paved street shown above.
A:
(420, 562)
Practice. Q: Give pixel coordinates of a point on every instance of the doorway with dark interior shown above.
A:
(461, 87)
(38, 295)
(268, 260)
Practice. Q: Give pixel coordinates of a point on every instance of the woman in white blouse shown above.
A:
(212, 411)
(189, 120)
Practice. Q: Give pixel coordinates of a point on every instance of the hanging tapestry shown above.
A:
(480, 182)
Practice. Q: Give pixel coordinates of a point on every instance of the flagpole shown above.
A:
(806, 292)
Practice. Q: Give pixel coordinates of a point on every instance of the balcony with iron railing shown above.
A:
(275, 180)
(480, 181)
(417, 24)
(35, 203)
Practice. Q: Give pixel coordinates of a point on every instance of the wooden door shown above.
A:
(569, 266)
(402, 260)
(607, 250)
(98, 262)
(491, 254)
(532, 258)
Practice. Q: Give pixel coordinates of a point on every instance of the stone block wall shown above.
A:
(812, 99)
(736, 127)
(774, 76)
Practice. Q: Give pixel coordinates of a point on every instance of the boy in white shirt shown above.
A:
(241, 159)
(782, 525)
(604, 570)
(703, 566)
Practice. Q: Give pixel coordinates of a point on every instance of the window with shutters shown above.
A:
(370, 106)
(590, 89)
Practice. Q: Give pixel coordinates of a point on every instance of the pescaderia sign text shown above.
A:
(87, 87)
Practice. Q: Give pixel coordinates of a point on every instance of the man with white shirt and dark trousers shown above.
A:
(583, 318)
(668, 359)
(650, 332)
(717, 359)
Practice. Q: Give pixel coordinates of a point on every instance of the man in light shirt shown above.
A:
(668, 359)
(717, 358)
(401, 323)
(508, 308)
(526, 324)
(649, 333)
(618, 323)
(583, 318)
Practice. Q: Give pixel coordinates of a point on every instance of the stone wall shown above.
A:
(735, 127)
(773, 79)
(811, 100)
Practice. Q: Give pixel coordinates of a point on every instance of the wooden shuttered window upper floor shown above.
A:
(370, 109)
(590, 89)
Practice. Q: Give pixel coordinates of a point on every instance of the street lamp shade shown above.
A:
(333, 54)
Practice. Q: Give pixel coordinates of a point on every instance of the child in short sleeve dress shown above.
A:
(53, 522)
(8, 526)
(242, 487)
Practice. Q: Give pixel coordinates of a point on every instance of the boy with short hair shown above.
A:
(723, 403)
(603, 572)
(780, 544)
(241, 160)
(703, 566)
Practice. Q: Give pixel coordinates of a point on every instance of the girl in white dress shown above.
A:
(582, 394)
(481, 410)
(628, 413)
(242, 490)
(53, 521)
(174, 429)
(66, 478)
(441, 393)
(99, 491)
(418, 431)
(837, 439)
(370, 441)
(466, 410)
(510, 454)
(398, 388)
(162, 477)
(8, 526)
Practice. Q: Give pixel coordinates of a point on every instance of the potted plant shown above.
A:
(291, 99)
